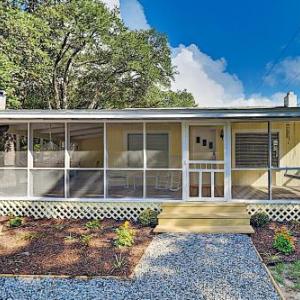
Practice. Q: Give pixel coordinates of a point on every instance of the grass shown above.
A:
(33, 236)
(287, 274)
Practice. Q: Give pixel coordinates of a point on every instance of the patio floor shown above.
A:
(261, 193)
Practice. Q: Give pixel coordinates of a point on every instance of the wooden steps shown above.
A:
(204, 217)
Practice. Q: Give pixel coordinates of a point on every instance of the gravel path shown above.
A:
(173, 267)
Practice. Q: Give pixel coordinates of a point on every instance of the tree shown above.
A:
(78, 54)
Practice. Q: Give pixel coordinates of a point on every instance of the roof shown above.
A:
(155, 113)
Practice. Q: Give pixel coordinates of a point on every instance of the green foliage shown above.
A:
(283, 241)
(148, 217)
(287, 274)
(93, 224)
(119, 263)
(278, 272)
(79, 54)
(34, 236)
(15, 222)
(85, 239)
(125, 235)
(259, 219)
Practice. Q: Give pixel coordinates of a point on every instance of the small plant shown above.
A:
(15, 222)
(70, 237)
(119, 263)
(33, 236)
(148, 217)
(93, 224)
(125, 235)
(283, 241)
(259, 219)
(59, 226)
(85, 239)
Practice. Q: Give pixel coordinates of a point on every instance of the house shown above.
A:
(115, 163)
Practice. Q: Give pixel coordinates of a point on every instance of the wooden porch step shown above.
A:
(218, 215)
(203, 222)
(247, 229)
(203, 208)
(204, 217)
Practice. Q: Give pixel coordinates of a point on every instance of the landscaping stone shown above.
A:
(174, 266)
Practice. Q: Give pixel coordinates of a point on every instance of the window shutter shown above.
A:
(251, 150)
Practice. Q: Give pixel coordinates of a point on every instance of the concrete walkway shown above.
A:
(174, 266)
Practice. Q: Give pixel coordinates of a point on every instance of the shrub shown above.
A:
(148, 217)
(283, 241)
(85, 239)
(15, 222)
(93, 224)
(259, 219)
(125, 235)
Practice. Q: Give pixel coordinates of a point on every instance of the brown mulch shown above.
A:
(263, 241)
(52, 246)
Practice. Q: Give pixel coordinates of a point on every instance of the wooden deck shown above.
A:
(261, 193)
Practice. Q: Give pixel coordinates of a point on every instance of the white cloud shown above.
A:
(286, 70)
(206, 78)
(111, 4)
(209, 82)
(133, 14)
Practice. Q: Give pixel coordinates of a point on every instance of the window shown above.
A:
(157, 149)
(251, 150)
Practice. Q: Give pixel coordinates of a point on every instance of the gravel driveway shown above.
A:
(187, 266)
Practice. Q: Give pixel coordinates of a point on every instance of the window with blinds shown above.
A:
(251, 150)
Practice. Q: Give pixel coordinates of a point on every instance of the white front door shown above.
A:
(205, 163)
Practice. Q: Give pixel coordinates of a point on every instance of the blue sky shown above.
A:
(223, 50)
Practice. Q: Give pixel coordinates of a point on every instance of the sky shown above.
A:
(227, 53)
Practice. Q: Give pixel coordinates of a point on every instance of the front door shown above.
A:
(206, 163)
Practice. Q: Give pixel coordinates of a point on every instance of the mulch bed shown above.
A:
(263, 241)
(56, 247)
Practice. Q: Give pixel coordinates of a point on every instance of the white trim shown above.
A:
(185, 157)
(96, 200)
(227, 161)
(66, 162)
(144, 161)
(104, 161)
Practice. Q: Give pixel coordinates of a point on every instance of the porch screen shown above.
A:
(251, 150)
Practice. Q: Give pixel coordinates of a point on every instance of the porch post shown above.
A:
(227, 161)
(185, 175)
(269, 161)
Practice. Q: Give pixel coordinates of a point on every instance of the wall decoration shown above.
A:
(198, 140)
(204, 143)
(211, 145)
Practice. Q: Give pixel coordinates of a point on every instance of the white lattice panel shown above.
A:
(121, 210)
(277, 212)
(75, 210)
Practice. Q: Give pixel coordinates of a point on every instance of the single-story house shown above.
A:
(115, 163)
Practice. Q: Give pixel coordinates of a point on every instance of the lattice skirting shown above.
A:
(277, 212)
(120, 210)
(75, 210)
